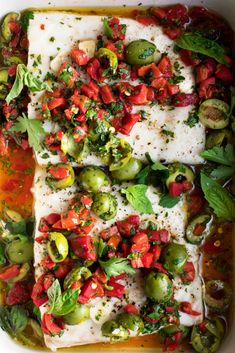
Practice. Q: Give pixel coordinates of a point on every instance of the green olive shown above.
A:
(171, 329)
(24, 272)
(140, 52)
(76, 274)
(99, 131)
(92, 179)
(76, 150)
(57, 183)
(214, 114)
(20, 250)
(3, 75)
(158, 287)
(179, 172)
(128, 171)
(208, 340)
(218, 138)
(12, 215)
(174, 256)
(115, 331)
(218, 295)
(204, 220)
(57, 247)
(105, 206)
(80, 314)
(131, 322)
(111, 56)
(6, 31)
(124, 149)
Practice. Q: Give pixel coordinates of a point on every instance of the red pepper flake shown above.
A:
(42, 26)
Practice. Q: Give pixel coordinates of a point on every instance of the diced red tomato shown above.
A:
(146, 69)
(172, 32)
(203, 72)
(117, 291)
(93, 67)
(114, 241)
(18, 294)
(146, 20)
(63, 268)
(127, 123)
(92, 288)
(204, 87)
(51, 325)
(55, 103)
(187, 185)
(80, 133)
(128, 226)
(86, 200)
(158, 12)
(140, 243)
(126, 249)
(42, 238)
(189, 58)
(43, 225)
(172, 342)
(224, 73)
(139, 95)
(136, 262)
(68, 75)
(165, 67)
(9, 272)
(117, 48)
(161, 235)
(185, 99)
(38, 294)
(118, 277)
(156, 252)
(147, 259)
(177, 15)
(188, 274)
(175, 189)
(12, 70)
(58, 173)
(82, 102)
(131, 309)
(100, 275)
(186, 307)
(118, 30)
(70, 219)
(173, 89)
(79, 56)
(109, 232)
(83, 247)
(159, 83)
(107, 94)
(160, 268)
(48, 281)
(52, 218)
(48, 263)
(91, 90)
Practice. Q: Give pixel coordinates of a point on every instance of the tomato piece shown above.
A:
(131, 309)
(118, 30)
(127, 123)
(114, 241)
(107, 94)
(52, 325)
(172, 33)
(147, 259)
(188, 274)
(109, 232)
(70, 219)
(48, 263)
(91, 288)
(48, 280)
(159, 83)
(224, 73)
(186, 307)
(79, 56)
(58, 173)
(165, 67)
(117, 48)
(156, 252)
(203, 90)
(38, 294)
(9, 272)
(126, 249)
(55, 103)
(177, 15)
(80, 133)
(199, 229)
(83, 247)
(82, 102)
(173, 89)
(172, 342)
(63, 268)
(203, 72)
(139, 95)
(86, 200)
(189, 58)
(185, 99)
(93, 67)
(100, 275)
(137, 262)
(129, 226)
(160, 268)
(161, 235)
(175, 189)
(146, 20)
(150, 68)
(117, 291)
(52, 218)
(158, 12)
(91, 90)
(68, 75)
(42, 238)
(140, 243)
(18, 294)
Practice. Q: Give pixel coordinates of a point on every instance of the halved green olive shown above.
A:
(218, 138)
(174, 257)
(99, 131)
(92, 179)
(3, 75)
(3, 91)
(111, 56)
(105, 206)
(24, 272)
(20, 250)
(80, 314)
(124, 150)
(130, 322)
(218, 295)
(214, 113)
(171, 329)
(115, 331)
(57, 247)
(128, 171)
(59, 182)
(76, 274)
(76, 150)
(208, 340)
(140, 52)
(6, 30)
(179, 172)
(12, 215)
(158, 287)
(199, 227)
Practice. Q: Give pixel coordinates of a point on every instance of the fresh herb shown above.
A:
(102, 248)
(116, 266)
(146, 53)
(66, 75)
(34, 129)
(199, 44)
(107, 29)
(2, 254)
(168, 201)
(193, 118)
(136, 196)
(25, 78)
(218, 198)
(61, 303)
(168, 133)
(25, 18)
(160, 171)
(13, 319)
(176, 79)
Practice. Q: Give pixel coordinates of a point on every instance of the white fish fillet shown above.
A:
(62, 31)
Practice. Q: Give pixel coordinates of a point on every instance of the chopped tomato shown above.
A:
(48, 280)
(82, 102)
(79, 56)
(93, 68)
(42, 238)
(63, 268)
(199, 229)
(159, 83)
(100, 275)
(83, 247)
(48, 263)
(117, 48)
(146, 20)
(91, 90)
(38, 294)
(114, 241)
(58, 173)
(186, 307)
(158, 12)
(116, 291)
(9, 272)
(156, 252)
(195, 202)
(161, 235)
(118, 30)
(127, 123)
(140, 243)
(86, 200)
(204, 86)
(109, 232)
(80, 133)
(147, 259)
(224, 73)
(189, 58)
(188, 273)
(172, 342)
(128, 226)
(70, 219)
(126, 249)
(173, 89)
(107, 94)
(175, 189)
(52, 218)
(151, 69)
(68, 75)
(185, 99)
(18, 294)
(165, 67)
(51, 325)
(160, 268)
(139, 95)
(172, 32)
(92, 288)
(203, 72)
(177, 15)
(131, 309)
(55, 103)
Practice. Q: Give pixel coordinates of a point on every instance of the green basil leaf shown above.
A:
(61, 304)
(136, 196)
(107, 30)
(5, 320)
(142, 176)
(25, 18)
(199, 44)
(219, 154)
(54, 296)
(168, 201)
(19, 318)
(223, 172)
(116, 266)
(218, 198)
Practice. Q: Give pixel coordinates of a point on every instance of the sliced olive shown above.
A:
(174, 257)
(124, 150)
(128, 171)
(131, 322)
(6, 30)
(140, 52)
(214, 114)
(115, 331)
(12, 215)
(218, 138)
(76, 274)
(3, 75)
(171, 329)
(57, 247)
(209, 339)
(59, 180)
(105, 206)
(111, 56)
(158, 287)
(76, 150)
(20, 250)
(92, 179)
(218, 295)
(80, 314)
(99, 131)
(24, 272)
(179, 172)
(199, 227)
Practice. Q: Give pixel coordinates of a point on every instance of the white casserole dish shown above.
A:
(226, 8)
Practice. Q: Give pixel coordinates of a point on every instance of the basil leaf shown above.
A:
(2, 255)
(116, 266)
(168, 201)
(223, 172)
(219, 154)
(136, 196)
(5, 320)
(199, 44)
(25, 18)
(142, 176)
(25, 78)
(107, 29)
(61, 304)
(19, 318)
(218, 198)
